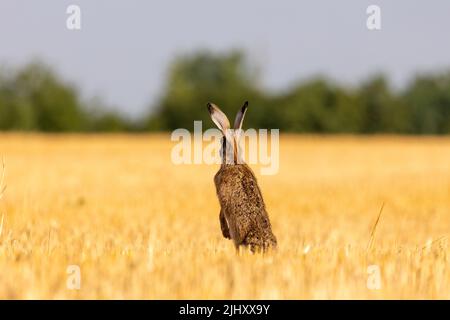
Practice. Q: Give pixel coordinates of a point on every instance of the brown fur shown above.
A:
(243, 216)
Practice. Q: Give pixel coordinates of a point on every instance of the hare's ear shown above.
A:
(219, 118)
(240, 117)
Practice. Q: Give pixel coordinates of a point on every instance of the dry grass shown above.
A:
(140, 227)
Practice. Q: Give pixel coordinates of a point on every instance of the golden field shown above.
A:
(140, 227)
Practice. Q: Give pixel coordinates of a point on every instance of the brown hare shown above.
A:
(243, 216)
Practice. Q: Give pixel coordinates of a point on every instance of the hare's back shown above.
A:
(238, 189)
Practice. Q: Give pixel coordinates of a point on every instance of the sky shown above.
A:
(123, 49)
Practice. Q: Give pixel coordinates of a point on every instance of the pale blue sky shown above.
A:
(123, 50)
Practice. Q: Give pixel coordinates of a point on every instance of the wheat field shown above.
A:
(140, 227)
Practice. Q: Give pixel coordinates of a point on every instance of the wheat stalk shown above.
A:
(2, 192)
(374, 228)
(1, 225)
(429, 245)
(2, 180)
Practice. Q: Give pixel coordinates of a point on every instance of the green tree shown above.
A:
(16, 111)
(383, 111)
(56, 105)
(34, 98)
(194, 80)
(428, 98)
(319, 106)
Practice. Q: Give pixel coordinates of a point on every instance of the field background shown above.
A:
(140, 227)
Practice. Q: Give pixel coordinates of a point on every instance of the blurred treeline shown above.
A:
(35, 98)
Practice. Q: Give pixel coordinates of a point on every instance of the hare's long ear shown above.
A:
(240, 118)
(219, 118)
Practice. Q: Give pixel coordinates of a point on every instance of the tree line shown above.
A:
(35, 98)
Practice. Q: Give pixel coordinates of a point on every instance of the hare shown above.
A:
(243, 216)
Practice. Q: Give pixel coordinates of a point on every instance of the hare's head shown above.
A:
(230, 151)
